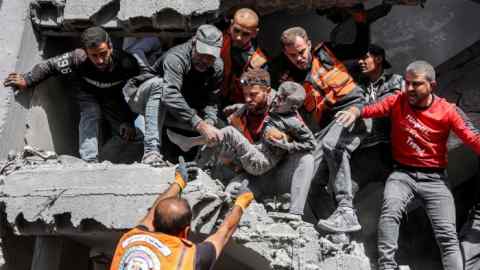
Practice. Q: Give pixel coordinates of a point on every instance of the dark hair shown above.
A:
(172, 216)
(288, 36)
(94, 36)
(255, 76)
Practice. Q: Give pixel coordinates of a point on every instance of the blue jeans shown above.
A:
(148, 101)
(402, 187)
(94, 108)
(88, 126)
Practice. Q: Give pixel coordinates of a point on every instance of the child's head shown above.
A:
(290, 97)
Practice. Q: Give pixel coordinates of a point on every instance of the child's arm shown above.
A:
(299, 136)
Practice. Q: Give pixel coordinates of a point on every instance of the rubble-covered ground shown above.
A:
(63, 196)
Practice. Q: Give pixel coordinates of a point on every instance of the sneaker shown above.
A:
(343, 219)
(154, 159)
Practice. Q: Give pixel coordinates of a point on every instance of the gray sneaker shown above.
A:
(342, 220)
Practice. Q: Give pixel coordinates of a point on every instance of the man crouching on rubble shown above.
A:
(183, 93)
(160, 241)
(420, 124)
(294, 171)
(99, 74)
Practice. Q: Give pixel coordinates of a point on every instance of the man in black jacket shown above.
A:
(98, 74)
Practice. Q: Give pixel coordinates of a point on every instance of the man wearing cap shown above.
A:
(240, 52)
(377, 84)
(184, 92)
(98, 73)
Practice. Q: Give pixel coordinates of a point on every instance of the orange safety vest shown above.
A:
(325, 85)
(239, 121)
(231, 88)
(139, 249)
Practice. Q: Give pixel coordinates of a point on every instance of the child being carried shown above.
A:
(283, 132)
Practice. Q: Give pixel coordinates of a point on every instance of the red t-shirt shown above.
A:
(419, 136)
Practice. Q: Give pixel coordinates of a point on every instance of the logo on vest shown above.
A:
(147, 239)
(139, 258)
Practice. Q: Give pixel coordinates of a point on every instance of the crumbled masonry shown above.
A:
(56, 196)
(66, 200)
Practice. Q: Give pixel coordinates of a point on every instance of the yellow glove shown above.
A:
(245, 196)
(185, 172)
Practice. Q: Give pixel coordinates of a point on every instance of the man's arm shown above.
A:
(62, 64)
(380, 108)
(464, 129)
(183, 173)
(211, 110)
(173, 69)
(221, 237)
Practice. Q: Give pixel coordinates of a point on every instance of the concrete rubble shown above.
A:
(171, 15)
(45, 195)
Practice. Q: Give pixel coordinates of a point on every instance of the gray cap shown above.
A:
(209, 40)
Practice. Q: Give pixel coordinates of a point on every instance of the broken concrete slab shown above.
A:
(44, 192)
(130, 16)
(71, 198)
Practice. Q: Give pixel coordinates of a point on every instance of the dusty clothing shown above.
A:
(103, 84)
(259, 156)
(177, 94)
(328, 85)
(97, 93)
(386, 85)
(193, 90)
(141, 249)
(420, 135)
(293, 173)
(236, 61)
(330, 88)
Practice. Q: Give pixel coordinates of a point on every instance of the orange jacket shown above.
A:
(326, 83)
(139, 249)
(239, 120)
(231, 89)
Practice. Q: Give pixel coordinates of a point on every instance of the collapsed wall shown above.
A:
(91, 203)
(45, 118)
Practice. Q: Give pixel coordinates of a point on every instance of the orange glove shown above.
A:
(245, 196)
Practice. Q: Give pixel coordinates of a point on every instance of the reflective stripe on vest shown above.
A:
(138, 249)
(333, 82)
(231, 88)
(313, 101)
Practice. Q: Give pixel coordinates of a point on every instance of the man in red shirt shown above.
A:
(421, 123)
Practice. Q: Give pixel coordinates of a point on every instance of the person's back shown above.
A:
(159, 242)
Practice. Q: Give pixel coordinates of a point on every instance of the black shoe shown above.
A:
(342, 220)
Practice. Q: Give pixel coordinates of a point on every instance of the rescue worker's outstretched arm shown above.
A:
(221, 237)
(184, 172)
